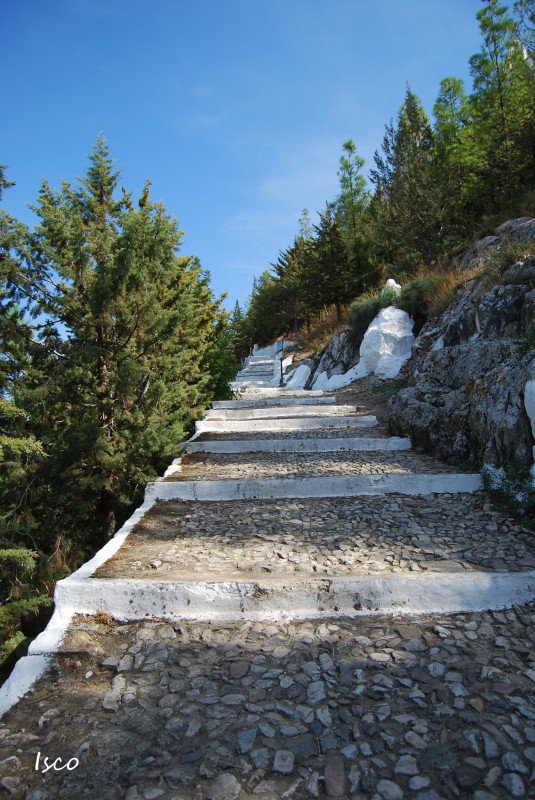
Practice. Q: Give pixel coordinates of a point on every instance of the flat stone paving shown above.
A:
(431, 708)
(334, 536)
(212, 467)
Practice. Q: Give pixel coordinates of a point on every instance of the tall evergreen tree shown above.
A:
(407, 207)
(331, 278)
(138, 319)
(503, 109)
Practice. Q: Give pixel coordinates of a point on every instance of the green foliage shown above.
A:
(407, 207)
(14, 615)
(418, 297)
(361, 314)
(512, 487)
(112, 344)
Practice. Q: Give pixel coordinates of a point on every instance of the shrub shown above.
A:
(363, 310)
(427, 295)
(511, 486)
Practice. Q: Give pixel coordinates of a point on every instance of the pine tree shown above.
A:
(331, 279)
(138, 321)
(503, 109)
(407, 206)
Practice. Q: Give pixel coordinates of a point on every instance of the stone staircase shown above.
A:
(302, 607)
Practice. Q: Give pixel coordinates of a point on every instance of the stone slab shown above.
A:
(344, 486)
(288, 424)
(276, 412)
(354, 596)
(330, 445)
(270, 402)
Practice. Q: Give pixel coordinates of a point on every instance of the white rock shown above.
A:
(299, 377)
(387, 344)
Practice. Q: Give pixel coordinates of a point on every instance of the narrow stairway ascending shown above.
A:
(303, 607)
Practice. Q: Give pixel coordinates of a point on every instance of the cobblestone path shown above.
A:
(241, 703)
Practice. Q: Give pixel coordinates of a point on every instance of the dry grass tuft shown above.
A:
(314, 338)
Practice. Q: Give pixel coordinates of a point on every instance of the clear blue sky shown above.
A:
(235, 109)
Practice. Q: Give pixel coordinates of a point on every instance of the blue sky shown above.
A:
(235, 109)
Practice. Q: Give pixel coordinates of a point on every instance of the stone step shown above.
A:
(328, 486)
(259, 466)
(247, 383)
(295, 600)
(279, 391)
(309, 445)
(307, 434)
(282, 412)
(286, 424)
(270, 402)
(319, 538)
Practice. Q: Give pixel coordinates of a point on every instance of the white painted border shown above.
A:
(328, 445)
(31, 667)
(328, 486)
(287, 424)
(264, 599)
(270, 402)
(277, 412)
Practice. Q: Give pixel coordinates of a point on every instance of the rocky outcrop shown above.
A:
(465, 399)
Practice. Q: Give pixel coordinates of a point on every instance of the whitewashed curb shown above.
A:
(345, 486)
(357, 595)
(328, 445)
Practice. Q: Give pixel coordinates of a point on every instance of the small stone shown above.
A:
(233, 699)
(334, 774)
(281, 652)
(418, 782)
(311, 785)
(512, 763)
(191, 757)
(316, 692)
(389, 790)
(246, 740)
(354, 778)
(324, 716)
(267, 730)
(413, 739)
(514, 784)
(467, 775)
(125, 663)
(283, 762)
(407, 765)
(436, 669)
(239, 669)
(261, 757)
(225, 787)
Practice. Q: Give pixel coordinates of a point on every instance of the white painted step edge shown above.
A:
(357, 595)
(274, 402)
(329, 445)
(288, 424)
(344, 486)
(277, 412)
(29, 668)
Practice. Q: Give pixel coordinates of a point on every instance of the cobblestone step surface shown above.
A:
(379, 431)
(290, 682)
(335, 536)
(303, 465)
(430, 708)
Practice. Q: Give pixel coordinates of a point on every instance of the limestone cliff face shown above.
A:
(465, 399)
